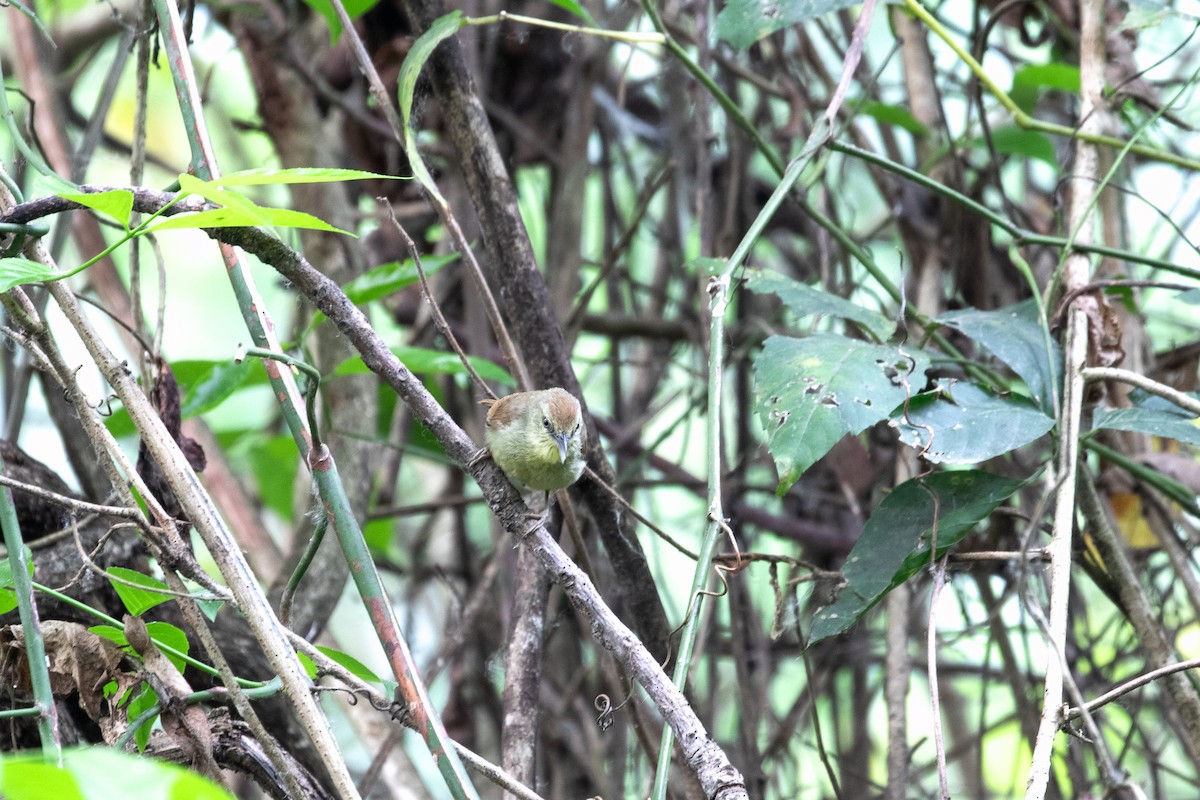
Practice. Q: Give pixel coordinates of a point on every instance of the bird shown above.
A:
(537, 438)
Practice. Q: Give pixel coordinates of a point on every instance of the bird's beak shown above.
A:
(560, 439)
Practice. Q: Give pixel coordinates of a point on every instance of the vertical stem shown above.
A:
(35, 649)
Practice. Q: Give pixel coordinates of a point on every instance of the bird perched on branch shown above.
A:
(537, 438)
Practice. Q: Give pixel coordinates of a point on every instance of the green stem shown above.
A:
(35, 647)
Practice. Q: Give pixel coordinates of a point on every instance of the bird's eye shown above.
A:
(546, 423)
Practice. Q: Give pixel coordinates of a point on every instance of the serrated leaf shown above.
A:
(423, 361)
(961, 423)
(804, 300)
(137, 601)
(1015, 336)
(1154, 415)
(896, 540)
(811, 392)
(744, 22)
(116, 204)
(20, 271)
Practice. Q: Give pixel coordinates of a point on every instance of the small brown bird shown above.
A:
(537, 438)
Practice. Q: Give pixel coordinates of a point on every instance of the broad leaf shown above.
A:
(101, 773)
(115, 203)
(1016, 336)
(212, 387)
(744, 22)
(137, 600)
(423, 361)
(804, 300)
(354, 9)
(1153, 415)
(811, 392)
(896, 540)
(20, 271)
(959, 423)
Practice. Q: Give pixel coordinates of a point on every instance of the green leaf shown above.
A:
(354, 8)
(391, 277)
(137, 601)
(967, 425)
(576, 9)
(442, 28)
(229, 217)
(214, 386)
(145, 698)
(101, 773)
(811, 392)
(744, 22)
(893, 115)
(115, 203)
(423, 361)
(274, 462)
(386, 279)
(1153, 415)
(163, 633)
(356, 667)
(8, 597)
(275, 176)
(1015, 335)
(896, 540)
(20, 271)
(237, 211)
(804, 300)
(1016, 141)
(1029, 82)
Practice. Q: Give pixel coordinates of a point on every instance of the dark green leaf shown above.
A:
(576, 9)
(804, 300)
(893, 115)
(1153, 415)
(137, 601)
(967, 425)
(744, 22)
(896, 540)
(811, 392)
(1016, 336)
(1015, 141)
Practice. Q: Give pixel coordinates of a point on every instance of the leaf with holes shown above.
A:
(804, 300)
(813, 391)
(896, 540)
